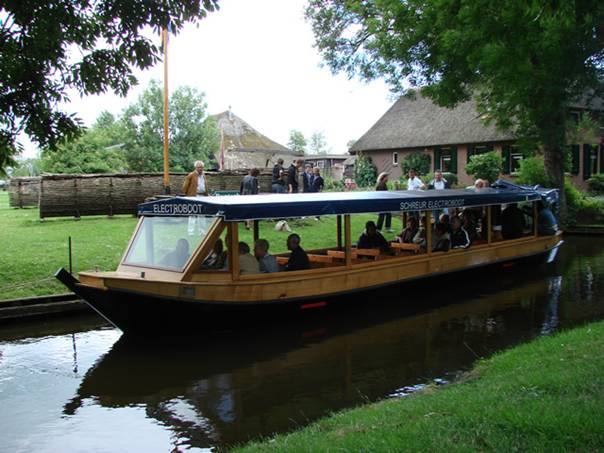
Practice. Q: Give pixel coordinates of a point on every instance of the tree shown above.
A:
(318, 143)
(48, 48)
(25, 167)
(419, 162)
(97, 150)
(297, 141)
(192, 135)
(525, 63)
(365, 173)
(485, 166)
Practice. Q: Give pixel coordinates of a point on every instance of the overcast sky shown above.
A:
(258, 57)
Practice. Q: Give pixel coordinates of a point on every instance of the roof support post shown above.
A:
(339, 230)
(233, 244)
(347, 240)
(535, 219)
(489, 225)
(428, 217)
(256, 231)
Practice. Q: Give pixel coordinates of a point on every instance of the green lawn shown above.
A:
(33, 250)
(544, 396)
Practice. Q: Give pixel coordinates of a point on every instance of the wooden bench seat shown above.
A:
(404, 246)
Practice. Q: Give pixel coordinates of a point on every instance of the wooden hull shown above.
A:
(136, 305)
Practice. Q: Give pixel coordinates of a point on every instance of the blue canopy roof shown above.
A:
(274, 206)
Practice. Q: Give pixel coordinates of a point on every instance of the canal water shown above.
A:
(80, 386)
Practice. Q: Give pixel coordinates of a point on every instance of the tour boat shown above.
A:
(161, 284)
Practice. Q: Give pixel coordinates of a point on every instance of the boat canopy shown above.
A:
(275, 206)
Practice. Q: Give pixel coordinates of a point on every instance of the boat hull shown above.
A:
(138, 312)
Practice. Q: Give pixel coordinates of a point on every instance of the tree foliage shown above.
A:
(317, 143)
(485, 166)
(97, 150)
(419, 162)
(525, 63)
(192, 135)
(51, 48)
(297, 142)
(365, 173)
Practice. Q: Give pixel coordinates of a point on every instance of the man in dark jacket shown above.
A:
(298, 259)
(372, 238)
(512, 222)
(293, 176)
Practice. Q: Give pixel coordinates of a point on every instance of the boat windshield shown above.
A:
(167, 242)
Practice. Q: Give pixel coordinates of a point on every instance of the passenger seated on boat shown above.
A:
(407, 235)
(470, 223)
(247, 263)
(445, 220)
(177, 257)
(459, 236)
(371, 238)
(420, 238)
(267, 262)
(298, 259)
(217, 258)
(442, 240)
(547, 224)
(512, 222)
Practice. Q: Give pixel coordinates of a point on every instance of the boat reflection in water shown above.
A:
(227, 388)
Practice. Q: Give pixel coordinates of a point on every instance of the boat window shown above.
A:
(167, 242)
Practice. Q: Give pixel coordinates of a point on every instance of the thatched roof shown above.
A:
(416, 122)
(240, 136)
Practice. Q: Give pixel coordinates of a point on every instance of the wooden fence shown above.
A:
(23, 192)
(109, 194)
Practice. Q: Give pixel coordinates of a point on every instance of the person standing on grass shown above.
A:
(195, 182)
(292, 182)
(249, 186)
(195, 185)
(382, 184)
(277, 183)
(317, 181)
(307, 178)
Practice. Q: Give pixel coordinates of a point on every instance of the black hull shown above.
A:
(142, 313)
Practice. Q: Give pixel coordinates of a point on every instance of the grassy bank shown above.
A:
(33, 250)
(547, 395)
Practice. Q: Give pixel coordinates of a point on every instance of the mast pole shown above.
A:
(166, 163)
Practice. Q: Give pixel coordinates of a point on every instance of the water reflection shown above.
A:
(228, 388)
(221, 389)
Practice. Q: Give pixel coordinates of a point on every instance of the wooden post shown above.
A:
(428, 217)
(233, 244)
(339, 231)
(166, 130)
(535, 219)
(347, 241)
(256, 231)
(489, 225)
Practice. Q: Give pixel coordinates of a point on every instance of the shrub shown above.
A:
(596, 184)
(580, 208)
(365, 173)
(333, 186)
(419, 162)
(485, 166)
(532, 172)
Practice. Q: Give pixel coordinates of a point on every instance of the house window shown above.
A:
(593, 160)
(515, 158)
(575, 116)
(321, 163)
(446, 160)
(481, 149)
(394, 158)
